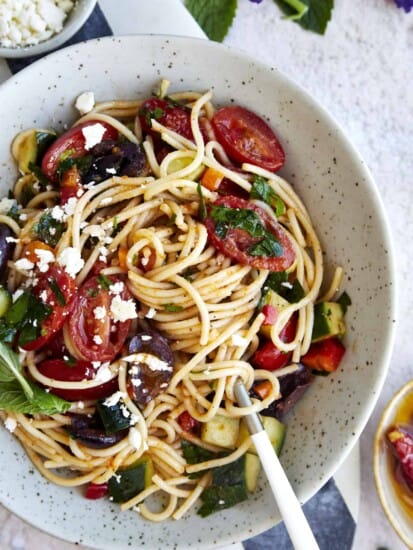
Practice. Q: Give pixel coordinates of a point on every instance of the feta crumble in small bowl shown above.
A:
(33, 27)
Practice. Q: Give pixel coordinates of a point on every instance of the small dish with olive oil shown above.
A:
(393, 462)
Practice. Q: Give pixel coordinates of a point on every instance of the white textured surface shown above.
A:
(361, 70)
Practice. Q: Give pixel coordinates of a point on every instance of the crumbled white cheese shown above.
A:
(24, 263)
(28, 22)
(17, 294)
(104, 374)
(146, 337)
(10, 423)
(125, 411)
(96, 231)
(96, 364)
(71, 260)
(151, 313)
(23, 217)
(111, 170)
(58, 213)
(97, 339)
(93, 134)
(85, 102)
(287, 284)
(105, 201)
(70, 205)
(151, 361)
(117, 288)
(135, 438)
(45, 258)
(123, 310)
(6, 204)
(238, 340)
(99, 313)
(114, 399)
(12, 240)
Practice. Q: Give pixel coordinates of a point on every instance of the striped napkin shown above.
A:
(332, 512)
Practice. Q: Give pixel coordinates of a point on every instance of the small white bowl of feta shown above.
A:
(33, 27)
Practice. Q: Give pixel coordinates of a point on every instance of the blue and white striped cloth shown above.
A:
(332, 512)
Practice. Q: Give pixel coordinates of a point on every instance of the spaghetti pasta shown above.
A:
(133, 255)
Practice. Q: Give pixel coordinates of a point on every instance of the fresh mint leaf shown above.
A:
(315, 18)
(14, 398)
(11, 370)
(215, 17)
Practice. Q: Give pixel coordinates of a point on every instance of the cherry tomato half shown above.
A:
(268, 357)
(57, 369)
(175, 117)
(247, 138)
(237, 241)
(187, 422)
(55, 288)
(96, 490)
(72, 141)
(91, 334)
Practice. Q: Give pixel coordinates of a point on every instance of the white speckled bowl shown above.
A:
(75, 19)
(397, 516)
(346, 209)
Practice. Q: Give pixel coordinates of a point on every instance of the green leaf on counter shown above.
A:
(315, 18)
(213, 16)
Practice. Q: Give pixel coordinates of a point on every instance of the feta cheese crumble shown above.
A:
(71, 260)
(99, 313)
(123, 310)
(135, 438)
(45, 258)
(114, 399)
(151, 361)
(85, 102)
(10, 424)
(238, 340)
(28, 22)
(93, 135)
(24, 263)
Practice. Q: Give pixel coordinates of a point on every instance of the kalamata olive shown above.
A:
(151, 366)
(6, 248)
(292, 388)
(90, 432)
(113, 158)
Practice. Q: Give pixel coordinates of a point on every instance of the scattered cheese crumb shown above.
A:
(104, 374)
(99, 313)
(45, 258)
(151, 313)
(123, 310)
(97, 339)
(10, 423)
(85, 102)
(117, 288)
(238, 340)
(135, 438)
(24, 263)
(17, 294)
(71, 260)
(93, 135)
(114, 399)
(151, 361)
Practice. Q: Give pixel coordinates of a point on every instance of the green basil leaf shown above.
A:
(261, 190)
(48, 229)
(13, 398)
(215, 17)
(269, 247)
(104, 281)
(315, 18)
(60, 297)
(11, 370)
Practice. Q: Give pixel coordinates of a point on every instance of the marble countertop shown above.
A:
(361, 71)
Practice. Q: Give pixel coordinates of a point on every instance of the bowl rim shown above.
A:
(387, 412)
(82, 8)
(374, 391)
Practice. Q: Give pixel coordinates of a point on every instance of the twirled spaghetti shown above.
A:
(144, 239)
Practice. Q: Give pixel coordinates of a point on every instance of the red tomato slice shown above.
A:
(85, 329)
(175, 117)
(268, 357)
(72, 141)
(60, 303)
(57, 369)
(247, 138)
(187, 422)
(237, 241)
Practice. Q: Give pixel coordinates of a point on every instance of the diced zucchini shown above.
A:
(128, 482)
(32, 146)
(221, 431)
(252, 471)
(271, 298)
(5, 301)
(112, 417)
(275, 429)
(328, 321)
(180, 163)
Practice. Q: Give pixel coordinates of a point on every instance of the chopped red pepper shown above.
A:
(95, 490)
(268, 357)
(402, 443)
(270, 313)
(325, 355)
(187, 422)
